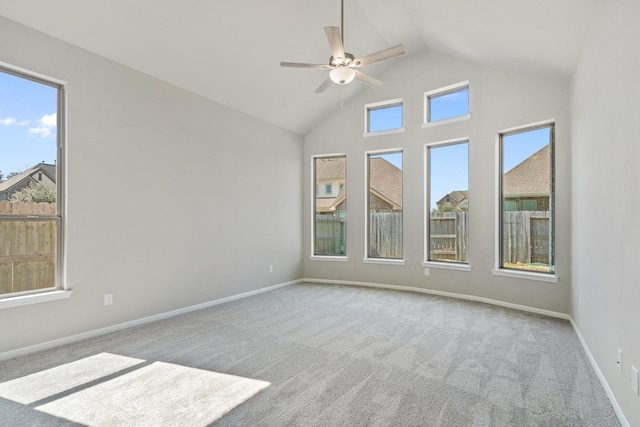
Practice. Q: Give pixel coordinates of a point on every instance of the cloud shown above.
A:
(11, 121)
(46, 126)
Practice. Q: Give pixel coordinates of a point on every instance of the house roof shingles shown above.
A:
(531, 177)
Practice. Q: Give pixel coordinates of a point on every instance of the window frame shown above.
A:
(499, 270)
(380, 106)
(60, 290)
(427, 263)
(314, 186)
(367, 259)
(442, 91)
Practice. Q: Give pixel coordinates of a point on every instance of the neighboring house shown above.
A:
(385, 182)
(41, 173)
(456, 200)
(330, 191)
(526, 186)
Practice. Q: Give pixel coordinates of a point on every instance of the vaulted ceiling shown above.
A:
(230, 51)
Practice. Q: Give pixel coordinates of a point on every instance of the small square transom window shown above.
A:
(383, 116)
(447, 103)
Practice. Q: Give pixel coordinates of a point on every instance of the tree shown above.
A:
(12, 174)
(34, 193)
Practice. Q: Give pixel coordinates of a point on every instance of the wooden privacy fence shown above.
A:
(448, 233)
(525, 237)
(27, 248)
(329, 235)
(385, 234)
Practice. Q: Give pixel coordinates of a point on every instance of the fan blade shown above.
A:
(304, 65)
(368, 80)
(324, 86)
(335, 41)
(378, 56)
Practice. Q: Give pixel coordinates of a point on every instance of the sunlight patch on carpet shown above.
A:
(108, 389)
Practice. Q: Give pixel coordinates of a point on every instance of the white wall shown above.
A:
(606, 200)
(498, 100)
(173, 200)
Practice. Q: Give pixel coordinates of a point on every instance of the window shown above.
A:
(329, 210)
(527, 170)
(383, 116)
(30, 182)
(451, 102)
(384, 200)
(448, 201)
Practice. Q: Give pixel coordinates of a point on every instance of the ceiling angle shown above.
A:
(343, 66)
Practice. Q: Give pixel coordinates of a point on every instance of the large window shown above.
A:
(448, 201)
(384, 201)
(330, 207)
(30, 183)
(527, 199)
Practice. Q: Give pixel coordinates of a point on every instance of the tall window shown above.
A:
(330, 209)
(527, 199)
(30, 179)
(448, 201)
(384, 200)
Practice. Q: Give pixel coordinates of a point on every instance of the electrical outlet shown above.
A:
(108, 299)
(271, 269)
(619, 360)
(634, 379)
(426, 271)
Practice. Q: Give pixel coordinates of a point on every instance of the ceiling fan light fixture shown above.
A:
(342, 74)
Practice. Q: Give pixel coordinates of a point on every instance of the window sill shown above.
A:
(339, 258)
(446, 121)
(384, 261)
(540, 277)
(447, 266)
(383, 132)
(34, 298)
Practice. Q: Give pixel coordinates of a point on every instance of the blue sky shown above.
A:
(27, 123)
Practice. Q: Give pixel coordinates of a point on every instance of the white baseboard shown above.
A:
(102, 331)
(447, 294)
(600, 375)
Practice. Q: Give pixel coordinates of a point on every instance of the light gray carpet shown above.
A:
(316, 355)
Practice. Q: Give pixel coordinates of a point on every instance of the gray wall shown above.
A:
(498, 100)
(173, 200)
(606, 200)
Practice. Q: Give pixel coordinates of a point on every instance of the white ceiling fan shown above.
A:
(343, 65)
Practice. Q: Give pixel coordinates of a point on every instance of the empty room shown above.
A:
(319, 213)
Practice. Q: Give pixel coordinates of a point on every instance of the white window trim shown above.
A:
(35, 298)
(383, 261)
(540, 277)
(339, 258)
(426, 210)
(366, 259)
(443, 91)
(447, 266)
(312, 249)
(446, 121)
(497, 270)
(60, 291)
(381, 105)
